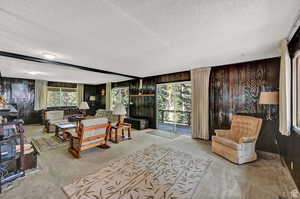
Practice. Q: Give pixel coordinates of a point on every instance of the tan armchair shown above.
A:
(238, 143)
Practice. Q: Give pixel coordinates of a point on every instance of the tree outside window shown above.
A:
(62, 97)
(120, 95)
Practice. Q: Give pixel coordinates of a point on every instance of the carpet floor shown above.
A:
(164, 134)
(265, 178)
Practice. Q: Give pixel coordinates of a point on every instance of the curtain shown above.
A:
(80, 93)
(285, 90)
(40, 101)
(200, 103)
(108, 96)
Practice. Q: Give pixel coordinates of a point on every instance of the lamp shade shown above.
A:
(269, 98)
(119, 110)
(84, 106)
(92, 98)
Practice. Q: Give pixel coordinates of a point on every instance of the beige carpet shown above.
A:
(164, 134)
(155, 172)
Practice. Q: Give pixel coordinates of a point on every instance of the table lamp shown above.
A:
(120, 110)
(84, 106)
(92, 100)
(269, 98)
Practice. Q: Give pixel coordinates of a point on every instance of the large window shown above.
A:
(120, 95)
(60, 96)
(296, 91)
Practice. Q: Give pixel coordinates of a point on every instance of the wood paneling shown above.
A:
(235, 89)
(25, 100)
(144, 106)
(94, 90)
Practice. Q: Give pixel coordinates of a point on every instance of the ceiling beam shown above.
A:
(40, 60)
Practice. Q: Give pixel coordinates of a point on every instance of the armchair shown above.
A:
(92, 132)
(52, 118)
(238, 143)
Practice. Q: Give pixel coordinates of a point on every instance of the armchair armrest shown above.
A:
(222, 133)
(247, 139)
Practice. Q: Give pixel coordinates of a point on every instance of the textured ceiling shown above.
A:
(145, 37)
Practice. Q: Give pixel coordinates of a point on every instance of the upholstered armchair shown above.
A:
(238, 143)
(52, 118)
(100, 113)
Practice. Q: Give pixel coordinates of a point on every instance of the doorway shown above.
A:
(174, 107)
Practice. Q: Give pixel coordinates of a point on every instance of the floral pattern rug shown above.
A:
(155, 172)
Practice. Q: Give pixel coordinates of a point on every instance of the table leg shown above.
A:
(56, 131)
(129, 133)
(110, 132)
(116, 135)
(64, 135)
(123, 136)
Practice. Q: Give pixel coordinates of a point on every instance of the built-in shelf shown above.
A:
(143, 95)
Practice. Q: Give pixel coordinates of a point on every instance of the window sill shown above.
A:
(58, 107)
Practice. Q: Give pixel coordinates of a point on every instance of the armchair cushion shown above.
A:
(227, 142)
(247, 139)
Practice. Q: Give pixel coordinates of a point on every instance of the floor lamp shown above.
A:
(269, 99)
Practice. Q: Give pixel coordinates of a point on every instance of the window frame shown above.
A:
(296, 128)
(60, 99)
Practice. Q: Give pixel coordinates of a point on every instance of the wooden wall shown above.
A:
(94, 90)
(25, 102)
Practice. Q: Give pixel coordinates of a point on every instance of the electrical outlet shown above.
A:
(292, 165)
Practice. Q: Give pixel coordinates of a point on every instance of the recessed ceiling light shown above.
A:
(35, 73)
(48, 56)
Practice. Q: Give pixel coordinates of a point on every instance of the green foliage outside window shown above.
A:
(62, 97)
(120, 95)
(174, 103)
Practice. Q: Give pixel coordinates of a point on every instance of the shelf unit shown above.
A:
(19, 158)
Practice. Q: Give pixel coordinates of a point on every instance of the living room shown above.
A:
(149, 99)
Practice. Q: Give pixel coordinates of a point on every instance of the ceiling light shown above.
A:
(49, 56)
(35, 73)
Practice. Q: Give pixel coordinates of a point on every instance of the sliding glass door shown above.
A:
(174, 107)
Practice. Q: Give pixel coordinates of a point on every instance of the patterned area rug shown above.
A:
(164, 134)
(155, 172)
(42, 143)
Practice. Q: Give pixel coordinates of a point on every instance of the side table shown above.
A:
(117, 129)
(63, 127)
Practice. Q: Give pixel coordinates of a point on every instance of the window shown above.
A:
(296, 91)
(60, 96)
(120, 95)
